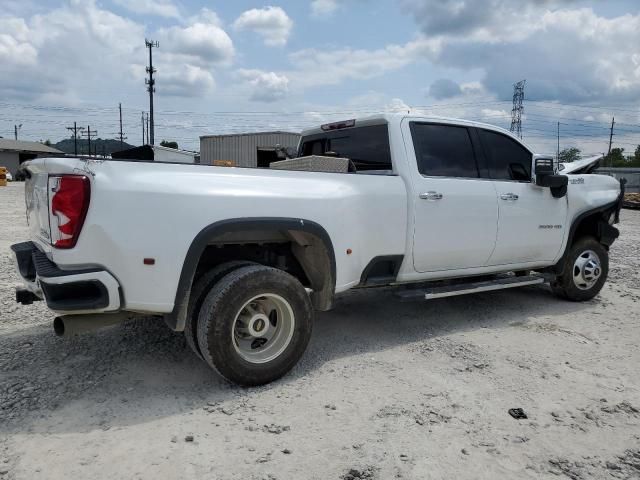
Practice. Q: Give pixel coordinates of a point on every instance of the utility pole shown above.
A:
(558, 151)
(613, 122)
(148, 131)
(518, 109)
(122, 137)
(90, 134)
(142, 119)
(558, 156)
(150, 82)
(75, 130)
(15, 130)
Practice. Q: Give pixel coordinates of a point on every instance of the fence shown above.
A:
(631, 174)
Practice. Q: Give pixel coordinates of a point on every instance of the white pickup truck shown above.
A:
(239, 259)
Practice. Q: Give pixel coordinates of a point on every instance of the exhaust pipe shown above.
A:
(69, 325)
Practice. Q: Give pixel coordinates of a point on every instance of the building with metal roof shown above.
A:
(245, 149)
(14, 152)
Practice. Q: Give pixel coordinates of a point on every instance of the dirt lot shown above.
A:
(385, 390)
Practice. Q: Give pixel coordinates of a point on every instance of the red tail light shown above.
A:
(69, 205)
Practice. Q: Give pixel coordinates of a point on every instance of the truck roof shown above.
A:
(397, 117)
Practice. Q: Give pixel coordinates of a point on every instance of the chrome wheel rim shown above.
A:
(263, 328)
(586, 270)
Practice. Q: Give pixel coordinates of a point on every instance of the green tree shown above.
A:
(570, 155)
(615, 158)
(169, 144)
(637, 154)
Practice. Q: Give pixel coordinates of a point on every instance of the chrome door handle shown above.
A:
(509, 196)
(431, 196)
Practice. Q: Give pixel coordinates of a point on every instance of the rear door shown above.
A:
(456, 211)
(531, 221)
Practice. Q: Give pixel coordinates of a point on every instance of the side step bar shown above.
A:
(500, 283)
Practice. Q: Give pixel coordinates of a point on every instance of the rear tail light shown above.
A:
(69, 205)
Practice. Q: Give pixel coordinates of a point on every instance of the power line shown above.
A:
(150, 81)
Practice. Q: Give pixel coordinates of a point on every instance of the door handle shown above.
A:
(509, 196)
(431, 196)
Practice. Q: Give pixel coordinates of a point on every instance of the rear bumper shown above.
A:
(65, 291)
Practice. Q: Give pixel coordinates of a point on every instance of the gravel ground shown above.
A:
(385, 390)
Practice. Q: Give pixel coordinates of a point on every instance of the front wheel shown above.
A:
(585, 271)
(254, 325)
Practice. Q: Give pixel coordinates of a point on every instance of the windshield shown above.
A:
(367, 147)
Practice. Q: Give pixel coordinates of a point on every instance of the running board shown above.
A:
(501, 283)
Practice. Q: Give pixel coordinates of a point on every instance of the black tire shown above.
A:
(198, 292)
(223, 303)
(564, 285)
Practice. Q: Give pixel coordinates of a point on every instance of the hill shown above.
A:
(100, 146)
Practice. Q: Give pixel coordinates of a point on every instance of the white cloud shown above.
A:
(323, 8)
(190, 53)
(444, 88)
(203, 41)
(38, 53)
(187, 81)
(332, 67)
(160, 8)
(266, 86)
(44, 56)
(271, 23)
(571, 55)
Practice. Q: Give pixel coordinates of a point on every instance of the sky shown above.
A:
(237, 66)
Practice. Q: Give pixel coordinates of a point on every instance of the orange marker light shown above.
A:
(349, 251)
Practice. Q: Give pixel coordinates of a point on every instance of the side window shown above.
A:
(506, 158)
(443, 150)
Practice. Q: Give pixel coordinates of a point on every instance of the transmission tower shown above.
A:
(516, 111)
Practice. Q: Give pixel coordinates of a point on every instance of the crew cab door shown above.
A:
(455, 211)
(531, 223)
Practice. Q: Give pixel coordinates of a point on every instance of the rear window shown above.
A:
(367, 147)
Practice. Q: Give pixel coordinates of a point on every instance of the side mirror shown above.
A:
(546, 177)
(543, 167)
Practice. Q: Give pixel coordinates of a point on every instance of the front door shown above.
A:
(455, 211)
(531, 224)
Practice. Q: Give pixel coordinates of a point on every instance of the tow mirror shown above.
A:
(544, 167)
(546, 177)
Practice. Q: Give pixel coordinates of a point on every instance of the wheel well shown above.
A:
(588, 226)
(301, 254)
(594, 224)
(265, 239)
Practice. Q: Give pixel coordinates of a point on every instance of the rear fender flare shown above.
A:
(177, 317)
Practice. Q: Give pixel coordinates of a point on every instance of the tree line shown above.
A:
(616, 158)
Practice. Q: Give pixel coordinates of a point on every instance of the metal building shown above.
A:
(245, 149)
(632, 175)
(14, 152)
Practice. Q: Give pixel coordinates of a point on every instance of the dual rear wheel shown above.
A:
(249, 322)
